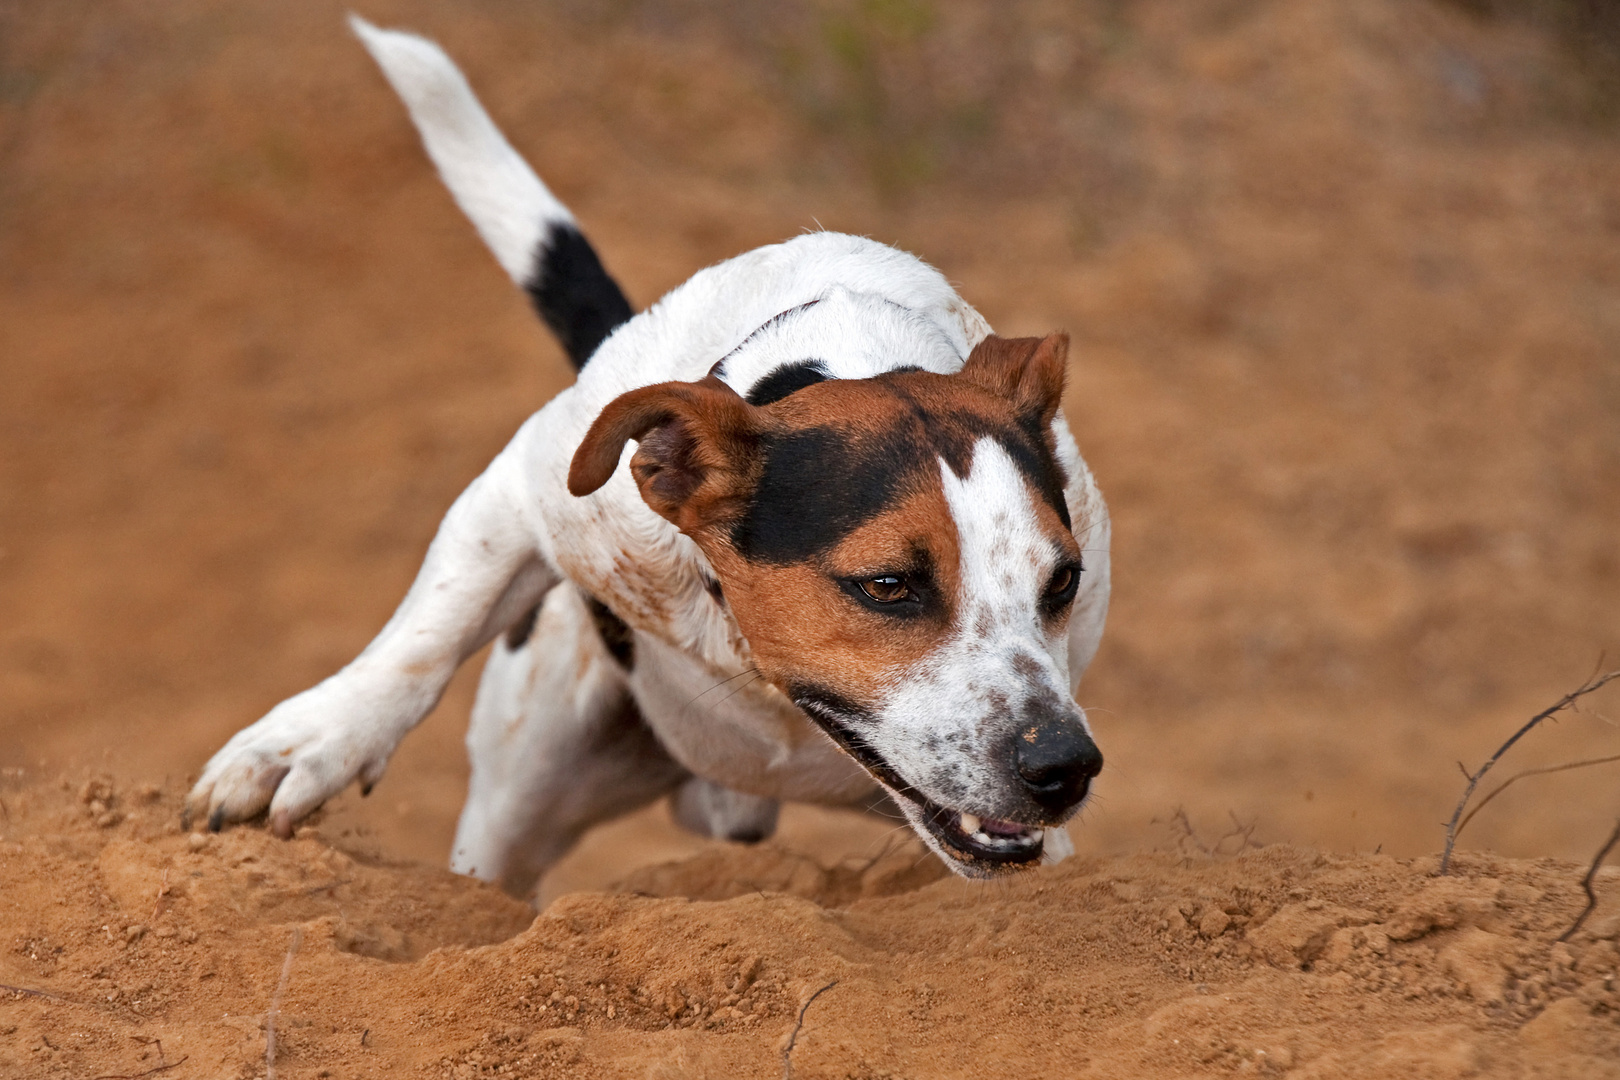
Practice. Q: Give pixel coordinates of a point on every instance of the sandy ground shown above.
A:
(1342, 281)
(145, 951)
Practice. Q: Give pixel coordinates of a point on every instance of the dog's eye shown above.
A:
(886, 589)
(1061, 589)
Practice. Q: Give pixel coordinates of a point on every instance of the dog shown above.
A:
(854, 558)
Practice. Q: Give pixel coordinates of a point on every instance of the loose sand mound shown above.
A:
(131, 946)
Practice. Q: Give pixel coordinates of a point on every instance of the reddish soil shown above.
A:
(1344, 285)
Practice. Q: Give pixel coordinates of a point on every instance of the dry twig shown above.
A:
(275, 1005)
(1243, 834)
(34, 993)
(1504, 785)
(1182, 826)
(163, 890)
(1586, 883)
(787, 1051)
(149, 1072)
(1594, 683)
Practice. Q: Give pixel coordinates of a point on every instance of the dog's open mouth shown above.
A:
(981, 846)
(990, 840)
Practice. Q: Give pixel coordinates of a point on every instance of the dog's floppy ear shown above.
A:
(1029, 372)
(697, 443)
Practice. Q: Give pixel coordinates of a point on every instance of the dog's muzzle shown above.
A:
(1054, 762)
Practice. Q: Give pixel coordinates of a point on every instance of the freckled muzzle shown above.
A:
(1054, 763)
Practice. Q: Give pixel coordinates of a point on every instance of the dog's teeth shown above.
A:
(1035, 834)
(970, 823)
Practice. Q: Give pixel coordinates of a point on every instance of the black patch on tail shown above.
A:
(573, 294)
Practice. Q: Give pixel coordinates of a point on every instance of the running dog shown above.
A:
(852, 558)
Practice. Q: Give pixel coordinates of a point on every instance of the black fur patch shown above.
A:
(573, 294)
(821, 484)
(787, 379)
(816, 489)
(615, 634)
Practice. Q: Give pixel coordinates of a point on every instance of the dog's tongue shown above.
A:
(993, 827)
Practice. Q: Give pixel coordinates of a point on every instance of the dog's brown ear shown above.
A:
(1029, 372)
(697, 444)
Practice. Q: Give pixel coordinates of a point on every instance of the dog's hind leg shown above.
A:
(556, 745)
(483, 570)
(533, 235)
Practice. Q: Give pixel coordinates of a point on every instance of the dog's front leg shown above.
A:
(482, 572)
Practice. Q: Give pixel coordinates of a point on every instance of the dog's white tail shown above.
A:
(533, 236)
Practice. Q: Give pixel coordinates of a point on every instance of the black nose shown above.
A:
(1057, 762)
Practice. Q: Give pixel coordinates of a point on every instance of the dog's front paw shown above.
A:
(288, 763)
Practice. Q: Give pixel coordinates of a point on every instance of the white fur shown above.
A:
(508, 204)
(536, 787)
(543, 769)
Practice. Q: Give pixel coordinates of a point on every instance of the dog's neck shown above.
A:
(839, 334)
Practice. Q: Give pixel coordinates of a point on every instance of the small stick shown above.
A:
(1504, 785)
(275, 1005)
(37, 993)
(148, 1072)
(163, 890)
(1180, 820)
(1243, 833)
(1586, 883)
(1594, 683)
(787, 1052)
(56, 997)
(163, 1059)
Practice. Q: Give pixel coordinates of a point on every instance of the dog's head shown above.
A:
(899, 554)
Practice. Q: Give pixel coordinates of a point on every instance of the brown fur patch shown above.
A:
(698, 444)
(1029, 372)
(804, 627)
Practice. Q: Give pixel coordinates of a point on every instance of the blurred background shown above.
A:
(1343, 281)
